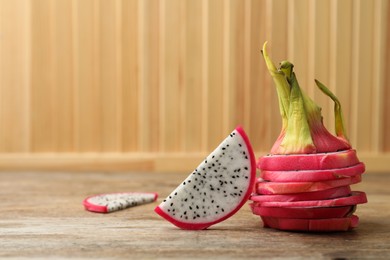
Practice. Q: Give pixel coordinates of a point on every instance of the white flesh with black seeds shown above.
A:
(215, 187)
(119, 201)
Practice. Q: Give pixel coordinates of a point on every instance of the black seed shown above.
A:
(197, 207)
(217, 206)
(235, 187)
(240, 145)
(185, 199)
(185, 212)
(204, 212)
(233, 177)
(246, 157)
(169, 210)
(175, 193)
(204, 200)
(192, 197)
(190, 207)
(215, 171)
(222, 210)
(212, 201)
(246, 168)
(189, 181)
(194, 187)
(164, 200)
(246, 177)
(184, 183)
(216, 212)
(238, 170)
(170, 197)
(223, 148)
(171, 204)
(213, 156)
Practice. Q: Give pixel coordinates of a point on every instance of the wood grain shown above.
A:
(52, 223)
(175, 77)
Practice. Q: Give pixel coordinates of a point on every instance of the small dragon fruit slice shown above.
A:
(216, 189)
(267, 187)
(105, 203)
(313, 175)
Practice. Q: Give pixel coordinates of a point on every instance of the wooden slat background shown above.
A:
(156, 85)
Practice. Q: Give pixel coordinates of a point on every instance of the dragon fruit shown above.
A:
(216, 189)
(308, 172)
(105, 203)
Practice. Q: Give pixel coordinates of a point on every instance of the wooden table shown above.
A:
(42, 216)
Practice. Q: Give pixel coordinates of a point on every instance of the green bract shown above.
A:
(302, 127)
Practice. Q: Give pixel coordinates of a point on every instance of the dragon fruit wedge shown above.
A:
(216, 189)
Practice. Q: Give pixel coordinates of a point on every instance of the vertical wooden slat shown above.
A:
(276, 33)
(43, 90)
(228, 114)
(110, 89)
(362, 75)
(386, 89)
(14, 75)
(88, 84)
(193, 76)
(63, 82)
(172, 81)
(236, 72)
(341, 56)
(298, 41)
(216, 68)
(205, 74)
(130, 64)
(319, 66)
(379, 48)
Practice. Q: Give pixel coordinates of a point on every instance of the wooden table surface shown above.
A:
(42, 216)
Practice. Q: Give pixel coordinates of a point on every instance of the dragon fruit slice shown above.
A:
(305, 213)
(316, 225)
(313, 175)
(315, 195)
(266, 187)
(299, 162)
(105, 203)
(356, 197)
(216, 189)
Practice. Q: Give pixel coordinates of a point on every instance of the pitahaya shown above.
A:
(216, 189)
(307, 166)
(105, 203)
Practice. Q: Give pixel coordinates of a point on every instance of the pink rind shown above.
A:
(356, 197)
(303, 213)
(312, 225)
(299, 162)
(313, 175)
(252, 179)
(315, 195)
(266, 187)
(103, 209)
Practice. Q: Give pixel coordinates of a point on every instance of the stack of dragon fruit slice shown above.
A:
(305, 180)
(309, 192)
